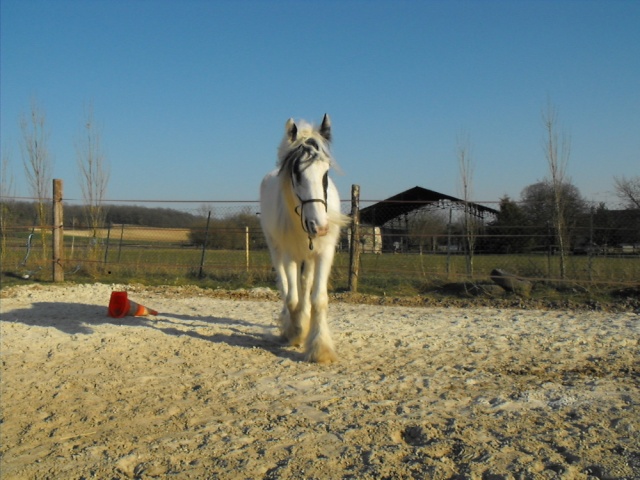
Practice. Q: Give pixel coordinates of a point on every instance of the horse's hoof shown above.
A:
(295, 342)
(323, 356)
(293, 336)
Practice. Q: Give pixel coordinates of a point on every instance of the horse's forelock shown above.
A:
(291, 151)
(288, 162)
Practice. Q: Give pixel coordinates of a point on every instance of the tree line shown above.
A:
(527, 225)
(22, 213)
(229, 233)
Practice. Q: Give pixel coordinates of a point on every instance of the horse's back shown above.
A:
(273, 217)
(268, 201)
(268, 189)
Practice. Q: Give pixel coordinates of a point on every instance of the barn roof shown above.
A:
(408, 201)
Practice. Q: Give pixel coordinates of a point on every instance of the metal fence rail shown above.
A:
(412, 254)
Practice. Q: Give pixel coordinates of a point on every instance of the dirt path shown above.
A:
(205, 390)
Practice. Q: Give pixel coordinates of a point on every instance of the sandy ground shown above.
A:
(205, 390)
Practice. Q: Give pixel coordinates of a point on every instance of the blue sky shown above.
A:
(192, 96)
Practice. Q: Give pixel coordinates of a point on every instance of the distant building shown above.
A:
(402, 223)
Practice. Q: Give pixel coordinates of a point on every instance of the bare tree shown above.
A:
(93, 170)
(425, 226)
(37, 163)
(470, 219)
(628, 190)
(557, 149)
(6, 176)
(205, 209)
(6, 192)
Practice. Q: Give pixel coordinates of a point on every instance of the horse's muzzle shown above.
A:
(323, 231)
(316, 231)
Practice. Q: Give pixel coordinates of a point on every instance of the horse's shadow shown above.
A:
(81, 319)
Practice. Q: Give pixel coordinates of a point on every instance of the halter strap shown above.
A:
(299, 208)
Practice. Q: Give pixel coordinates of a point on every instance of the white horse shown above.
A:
(301, 220)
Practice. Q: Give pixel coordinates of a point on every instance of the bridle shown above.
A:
(293, 160)
(299, 208)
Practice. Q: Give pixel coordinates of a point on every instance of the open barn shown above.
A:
(402, 221)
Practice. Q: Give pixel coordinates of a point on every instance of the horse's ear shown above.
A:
(325, 128)
(291, 129)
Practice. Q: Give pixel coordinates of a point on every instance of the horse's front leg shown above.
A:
(284, 320)
(294, 319)
(319, 346)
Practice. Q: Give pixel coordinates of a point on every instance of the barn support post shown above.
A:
(354, 245)
(58, 232)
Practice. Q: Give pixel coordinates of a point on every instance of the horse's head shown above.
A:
(304, 161)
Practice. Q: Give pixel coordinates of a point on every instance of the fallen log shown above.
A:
(511, 282)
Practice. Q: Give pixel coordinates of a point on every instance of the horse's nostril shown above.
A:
(312, 227)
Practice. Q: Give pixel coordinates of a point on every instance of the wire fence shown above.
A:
(417, 252)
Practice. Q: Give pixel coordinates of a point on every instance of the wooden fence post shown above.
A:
(106, 249)
(246, 245)
(449, 244)
(204, 245)
(58, 232)
(354, 244)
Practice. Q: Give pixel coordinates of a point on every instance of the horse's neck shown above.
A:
(289, 198)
